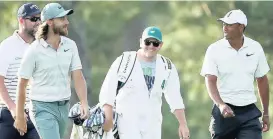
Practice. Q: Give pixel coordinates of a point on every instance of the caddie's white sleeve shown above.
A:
(5, 58)
(28, 63)
(109, 86)
(172, 93)
(262, 67)
(209, 64)
(75, 61)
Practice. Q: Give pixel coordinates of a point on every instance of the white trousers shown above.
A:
(138, 128)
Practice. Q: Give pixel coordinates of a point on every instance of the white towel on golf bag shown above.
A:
(106, 135)
(77, 132)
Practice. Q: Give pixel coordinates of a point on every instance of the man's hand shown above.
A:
(183, 131)
(21, 125)
(266, 123)
(226, 111)
(84, 111)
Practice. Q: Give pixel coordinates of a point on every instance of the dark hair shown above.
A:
(42, 31)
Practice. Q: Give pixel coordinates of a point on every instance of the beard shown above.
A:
(60, 30)
(30, 32)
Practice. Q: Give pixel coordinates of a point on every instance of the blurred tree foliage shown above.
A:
(103, 30)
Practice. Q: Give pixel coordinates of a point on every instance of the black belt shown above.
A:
(5, 107)
(59, 103)
(241, 107)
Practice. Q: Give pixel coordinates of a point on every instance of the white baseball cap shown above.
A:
(234, 16)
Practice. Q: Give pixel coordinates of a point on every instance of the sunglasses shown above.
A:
(33, 19)
(155, 43)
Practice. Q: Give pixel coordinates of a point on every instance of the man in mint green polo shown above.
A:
(50, 62)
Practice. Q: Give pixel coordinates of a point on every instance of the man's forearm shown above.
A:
(21, 98)
(263, 88)
(180, 116)
(4, 95)
(81, 90)
(212, 89)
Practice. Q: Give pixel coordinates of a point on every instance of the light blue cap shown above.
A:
(54, 10)
(152, 32)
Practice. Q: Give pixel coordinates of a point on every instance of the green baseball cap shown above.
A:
(152, 32)
(54, 10)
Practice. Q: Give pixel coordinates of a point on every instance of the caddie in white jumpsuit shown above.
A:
(139, 101)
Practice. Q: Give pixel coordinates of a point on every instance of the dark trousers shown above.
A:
(244, 125)
(7, 130)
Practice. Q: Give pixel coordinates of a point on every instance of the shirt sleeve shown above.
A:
(172, 93)
(209, 64)
(109, 86)
(28, 63)
(262, 68)
(5, 59)
(76, 61)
